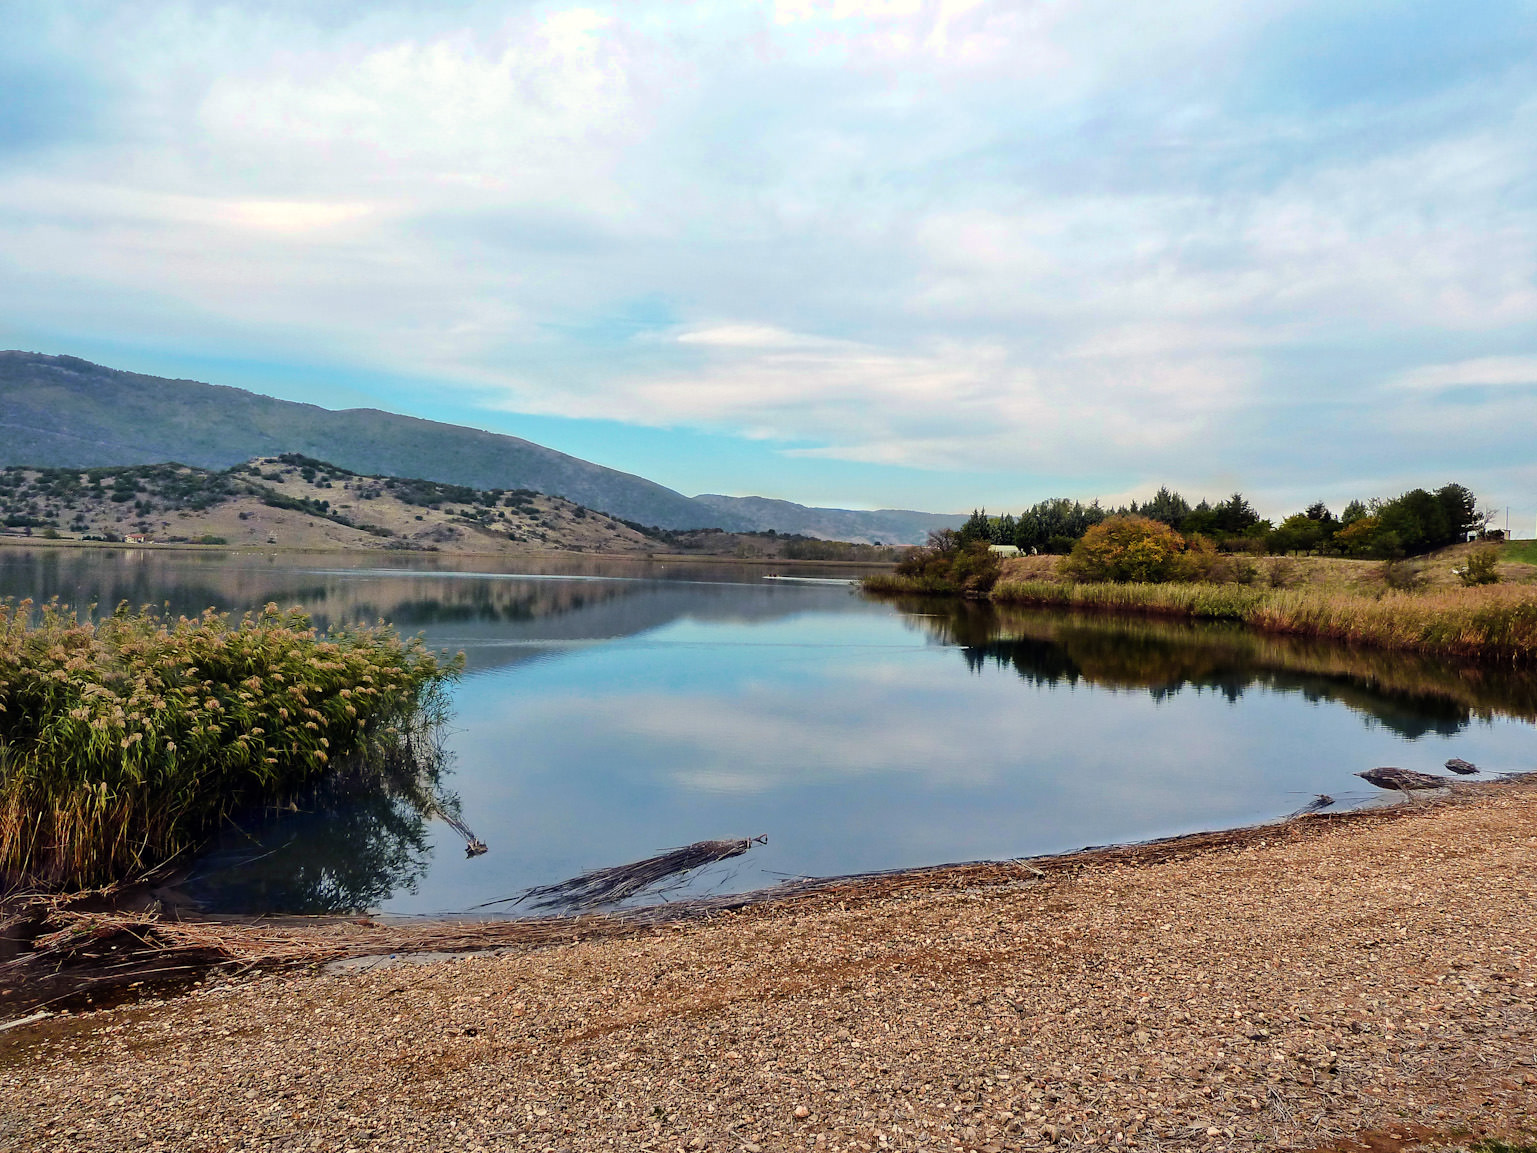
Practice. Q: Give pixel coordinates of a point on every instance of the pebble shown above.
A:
(1055, 1007)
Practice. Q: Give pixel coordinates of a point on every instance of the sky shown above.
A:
(928, 254)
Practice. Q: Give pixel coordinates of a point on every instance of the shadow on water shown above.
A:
(345, 846)
(1409, 695)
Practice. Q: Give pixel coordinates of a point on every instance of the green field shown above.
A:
(1524, 551)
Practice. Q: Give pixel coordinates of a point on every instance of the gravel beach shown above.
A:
(1358, 984)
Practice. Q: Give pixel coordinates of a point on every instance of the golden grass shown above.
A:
(1494, 622)
(123, 741)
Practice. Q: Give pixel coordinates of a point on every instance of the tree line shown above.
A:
(1411, 524)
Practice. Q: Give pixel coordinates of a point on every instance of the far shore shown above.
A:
(504, 556)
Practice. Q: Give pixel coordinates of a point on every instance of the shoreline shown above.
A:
(175, 944)
(1493, 625)
(1354, 983)
(532, 554)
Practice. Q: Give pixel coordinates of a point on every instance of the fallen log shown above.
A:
(612, 885)
(1319, 802)
(1388, 777)
(473, 845)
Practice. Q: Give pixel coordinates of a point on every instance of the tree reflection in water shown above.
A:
(344, 847)
(1407, 694)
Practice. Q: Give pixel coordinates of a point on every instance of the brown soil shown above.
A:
(1362, 983)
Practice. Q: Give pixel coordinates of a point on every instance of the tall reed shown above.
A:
(125, 740)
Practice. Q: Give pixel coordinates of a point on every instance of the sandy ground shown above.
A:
(1357, 984)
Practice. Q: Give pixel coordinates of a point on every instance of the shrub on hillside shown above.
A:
(1480, 567)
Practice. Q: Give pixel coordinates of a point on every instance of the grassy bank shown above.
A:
(1496, 622)
(125, 740)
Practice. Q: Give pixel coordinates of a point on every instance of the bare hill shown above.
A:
(296, 502)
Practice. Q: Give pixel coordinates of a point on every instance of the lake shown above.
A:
(612, 709)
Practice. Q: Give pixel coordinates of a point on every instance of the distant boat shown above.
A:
(812, 580)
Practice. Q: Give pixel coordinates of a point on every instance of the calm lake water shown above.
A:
(610, 710)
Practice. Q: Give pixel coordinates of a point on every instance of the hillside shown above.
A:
(58, 411)
(297, 502)
(294, 501)
(63, 412)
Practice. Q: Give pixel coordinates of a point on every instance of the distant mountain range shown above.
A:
(882, 526)
(60, 411)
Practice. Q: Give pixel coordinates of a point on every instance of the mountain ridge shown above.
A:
(872, 526)
(63, 411)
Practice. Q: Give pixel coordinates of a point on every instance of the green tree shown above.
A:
(1298, 533)
(1459, 507)
(1166, 506)
(1053, 525)
(977, 528)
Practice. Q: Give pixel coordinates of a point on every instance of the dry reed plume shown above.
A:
(124, 740)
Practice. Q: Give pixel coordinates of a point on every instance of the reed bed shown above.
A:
(125, 740)
(898, 583)
(1490, 623)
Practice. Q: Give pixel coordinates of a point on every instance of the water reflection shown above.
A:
(498, 616)
(1410, 695)
(614, 711)
(340, 850)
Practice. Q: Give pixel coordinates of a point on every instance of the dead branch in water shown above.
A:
(1319, 802)
(473, 845)
(612, 885)
(1387, 777)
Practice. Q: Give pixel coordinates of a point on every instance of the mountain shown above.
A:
(882, 526)
(63, 412)
(59, 411)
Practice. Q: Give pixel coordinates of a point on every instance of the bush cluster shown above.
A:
(1411, 524)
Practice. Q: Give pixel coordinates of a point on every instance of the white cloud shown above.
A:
(1483, 371)
(750, 336)
(972, 236)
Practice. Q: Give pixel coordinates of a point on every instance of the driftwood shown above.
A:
(1320, 801)
(1404, 780)
(1458, 765)
(473, 845)
(609, 886)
